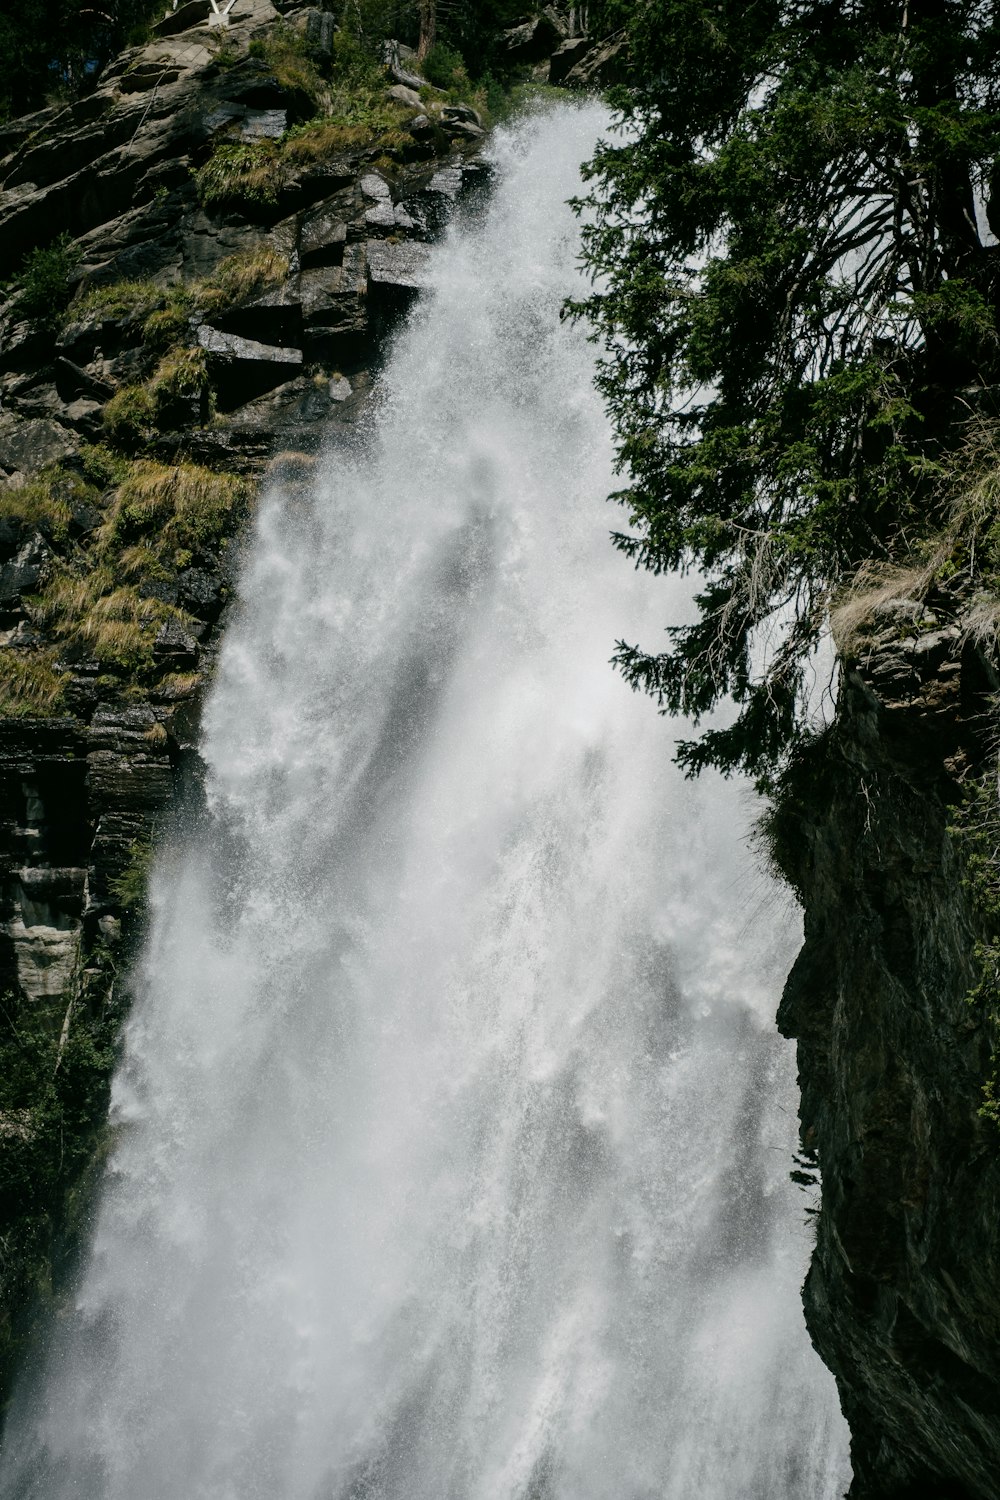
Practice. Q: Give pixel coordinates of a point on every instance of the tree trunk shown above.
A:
(428, 25)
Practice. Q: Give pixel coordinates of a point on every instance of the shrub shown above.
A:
(45, 282)
(101, 466)
(131, 886)
(445, 68)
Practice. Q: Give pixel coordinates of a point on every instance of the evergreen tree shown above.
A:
(798, 308)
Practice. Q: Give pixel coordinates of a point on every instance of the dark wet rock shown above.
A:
(397, 265)
(566, 57)
(601, 66)
(427, 134)
(27, 446)
(174, 644)
(25, 570)
(463, 130)
(461, 113)
(535, 39)
(244, 367)
(322, 238)
(319, 27)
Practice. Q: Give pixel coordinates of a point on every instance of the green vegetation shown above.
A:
(43, 504)
(118, 299)
(238, 278)
(241, 172)
(445, 68)
(100, 600)
(172, 507)
(131, 886)
(128, 417)
(798, 316)
(45, 288)
(291, 60)
(180, 387)
(976, 828)
(55, 1076)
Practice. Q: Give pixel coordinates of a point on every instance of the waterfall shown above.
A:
(452, 1136)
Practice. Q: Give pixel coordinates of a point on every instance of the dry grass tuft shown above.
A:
(184, 504)
(239, 277)
(875, 588)
(30, 685)
(42, 504)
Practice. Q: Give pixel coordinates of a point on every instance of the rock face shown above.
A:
(206, 335)
(901, 1297)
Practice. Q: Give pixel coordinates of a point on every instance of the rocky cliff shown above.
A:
(892, 1001)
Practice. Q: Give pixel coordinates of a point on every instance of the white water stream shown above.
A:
(454, 1130)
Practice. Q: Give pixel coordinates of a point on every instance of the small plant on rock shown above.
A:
(240, 277)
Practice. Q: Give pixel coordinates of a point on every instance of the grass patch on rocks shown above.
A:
(30, 684)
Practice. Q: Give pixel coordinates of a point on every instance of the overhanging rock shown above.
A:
(397, 273)
(244, 368)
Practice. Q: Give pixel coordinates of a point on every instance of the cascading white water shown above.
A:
(453, 1130)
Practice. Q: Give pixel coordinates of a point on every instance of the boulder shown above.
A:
(173, 644)
(24, 572)
(399, 265)
(381, 215)
(29, 445)
(263, 124)
(319, 27)
(461, 130)
(375, 187)
(400, 94)
(604, 64)
(566, 57)
(534, 39)
(191, 13)
(463, 113)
